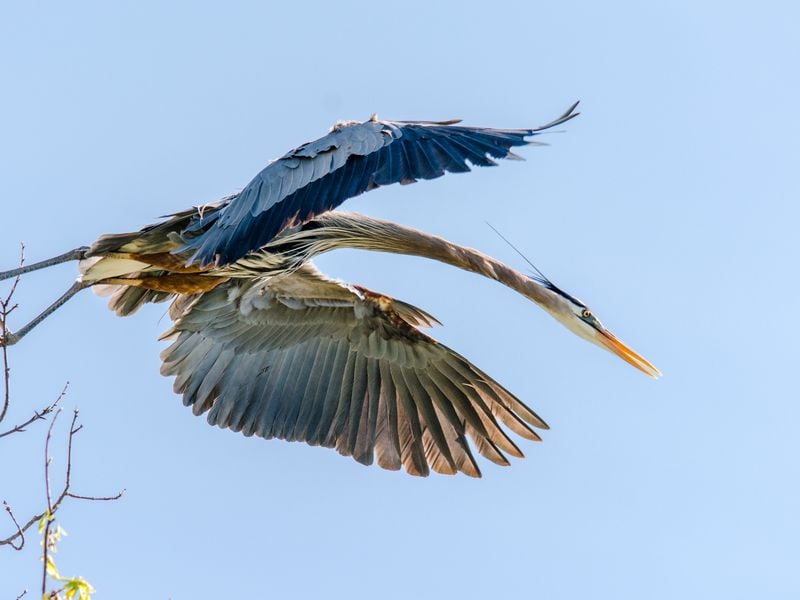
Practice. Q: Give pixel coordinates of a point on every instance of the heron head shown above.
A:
(572, 313)
(578, 318)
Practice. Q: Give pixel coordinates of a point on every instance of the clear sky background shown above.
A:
(670, 206)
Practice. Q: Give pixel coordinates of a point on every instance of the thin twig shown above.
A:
(16, 279)
(72, 431)
(49, 520)
(116, 496)
(22, 594)
(6, 308)
(20, 533)
(37, 415)
(6, 370)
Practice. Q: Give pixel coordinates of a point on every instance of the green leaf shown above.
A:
(43, 521)
(52, 571)
(78, 588)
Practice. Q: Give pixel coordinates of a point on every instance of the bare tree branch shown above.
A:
(52, 506)
(38, 414)
(49, 521)
(19, 531)
(51, 531)
(6, 308)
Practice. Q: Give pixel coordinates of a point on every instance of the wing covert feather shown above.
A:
(304, 358)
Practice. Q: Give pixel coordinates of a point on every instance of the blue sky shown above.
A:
(669, 206)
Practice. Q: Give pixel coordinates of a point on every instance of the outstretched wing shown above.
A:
(353, 158)
(305, 358)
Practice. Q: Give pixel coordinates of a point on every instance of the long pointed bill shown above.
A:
(629, 356)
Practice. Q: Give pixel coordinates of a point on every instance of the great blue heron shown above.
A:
(268, 346)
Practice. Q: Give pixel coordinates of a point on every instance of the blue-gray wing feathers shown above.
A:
(303, 358)
(352, 159)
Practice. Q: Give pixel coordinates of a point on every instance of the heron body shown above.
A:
(265, 344)
(219, 239)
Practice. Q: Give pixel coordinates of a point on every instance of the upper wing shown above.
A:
(305, 358)
(351, 159)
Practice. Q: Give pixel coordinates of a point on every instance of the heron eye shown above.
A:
(586, 313)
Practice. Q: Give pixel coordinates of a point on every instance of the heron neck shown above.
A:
(384, 236)
(475, 261)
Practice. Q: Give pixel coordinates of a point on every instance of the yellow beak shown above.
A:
(629, 356)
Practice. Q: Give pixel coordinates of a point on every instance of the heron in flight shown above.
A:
(265, 344)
